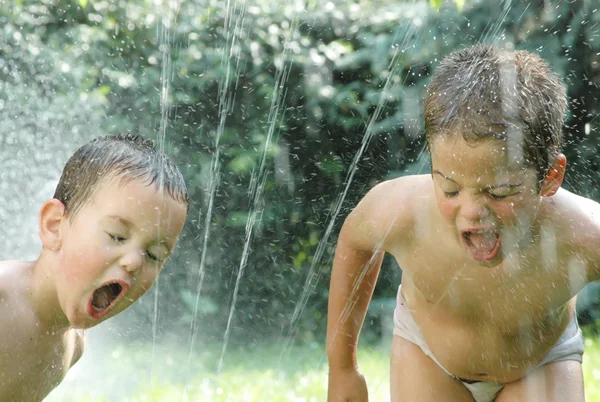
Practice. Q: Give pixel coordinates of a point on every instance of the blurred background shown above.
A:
(281, 116)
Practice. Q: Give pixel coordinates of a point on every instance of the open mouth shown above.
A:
(483, 245)
(105, 298)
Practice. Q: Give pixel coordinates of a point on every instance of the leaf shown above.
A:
(244, 162)
(103, 90)
(82, 3)
(460, 4)
(299, 259)
(437, 4)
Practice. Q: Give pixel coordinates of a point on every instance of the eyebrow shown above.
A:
(444, 176)
(121, 220)
(129, 225)
(502, 185)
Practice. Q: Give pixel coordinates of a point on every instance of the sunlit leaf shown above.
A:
(243, 163)
(299, 259)
(103, 90)
(436, 3)
(459, 4)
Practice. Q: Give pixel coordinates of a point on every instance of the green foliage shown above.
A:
(288, 92)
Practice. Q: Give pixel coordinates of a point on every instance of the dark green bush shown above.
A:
(283, 98)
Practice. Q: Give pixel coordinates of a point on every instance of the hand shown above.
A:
(347, 385)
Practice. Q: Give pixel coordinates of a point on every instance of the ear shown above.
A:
(51, 217)
(554, 177)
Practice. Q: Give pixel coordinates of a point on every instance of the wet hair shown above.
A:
(126, 157)
(486, 92)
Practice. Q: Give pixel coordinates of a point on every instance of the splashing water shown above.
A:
(409, 34)
(225, 104)
(493, 34)
(165, 40)
(258, 179)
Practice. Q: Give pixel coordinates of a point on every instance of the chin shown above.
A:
(79, 322)
(79, 319)
(494, 262)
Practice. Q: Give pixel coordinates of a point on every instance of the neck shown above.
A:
(44, 297)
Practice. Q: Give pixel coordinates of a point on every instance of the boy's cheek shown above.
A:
(82, 263)
(509, 210)
(447, 208)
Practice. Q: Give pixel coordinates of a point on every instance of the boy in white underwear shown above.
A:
(493, 250)
(115, 217)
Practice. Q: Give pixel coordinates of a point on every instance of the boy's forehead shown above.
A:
(506, 139)
(136, 198)
(125, 188)
(490, 156)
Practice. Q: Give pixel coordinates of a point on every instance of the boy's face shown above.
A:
(488, 198)
(113, 249)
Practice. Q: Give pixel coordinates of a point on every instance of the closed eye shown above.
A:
(450, 194)
(501, 197)
(152, 256)
(117, 239)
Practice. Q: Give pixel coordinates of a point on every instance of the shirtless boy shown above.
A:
(493, 250)
(117, 212)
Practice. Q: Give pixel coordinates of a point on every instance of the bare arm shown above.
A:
(590, 242)
(377, 223)
(353, 279)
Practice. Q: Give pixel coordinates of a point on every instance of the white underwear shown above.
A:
(568, 347)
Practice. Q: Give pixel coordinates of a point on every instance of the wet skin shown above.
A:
(485, 319)
(123, 235)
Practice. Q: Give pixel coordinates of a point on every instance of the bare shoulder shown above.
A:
(572, 212)
(17, 318)
(14, 282)
(577, 223)
(7, 273)
(386, 213)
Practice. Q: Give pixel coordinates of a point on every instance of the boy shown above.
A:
(115, 217)
(493, 251)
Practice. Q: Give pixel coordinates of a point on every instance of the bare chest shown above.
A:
(507, 296)
(497, 322)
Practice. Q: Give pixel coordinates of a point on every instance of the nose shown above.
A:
(132, 260)
(473, 208)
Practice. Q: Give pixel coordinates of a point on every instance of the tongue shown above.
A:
(484, 242)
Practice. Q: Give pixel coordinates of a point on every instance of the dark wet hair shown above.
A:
(126, 157)
(488, 92)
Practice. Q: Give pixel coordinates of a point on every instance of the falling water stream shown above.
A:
(234, 26)
(407, 36)
(165, 36)
(258, 179)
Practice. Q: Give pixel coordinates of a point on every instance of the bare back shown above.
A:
(496, 321)
(33, 361)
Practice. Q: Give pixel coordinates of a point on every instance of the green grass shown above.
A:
(591, 369)
(255, 374)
